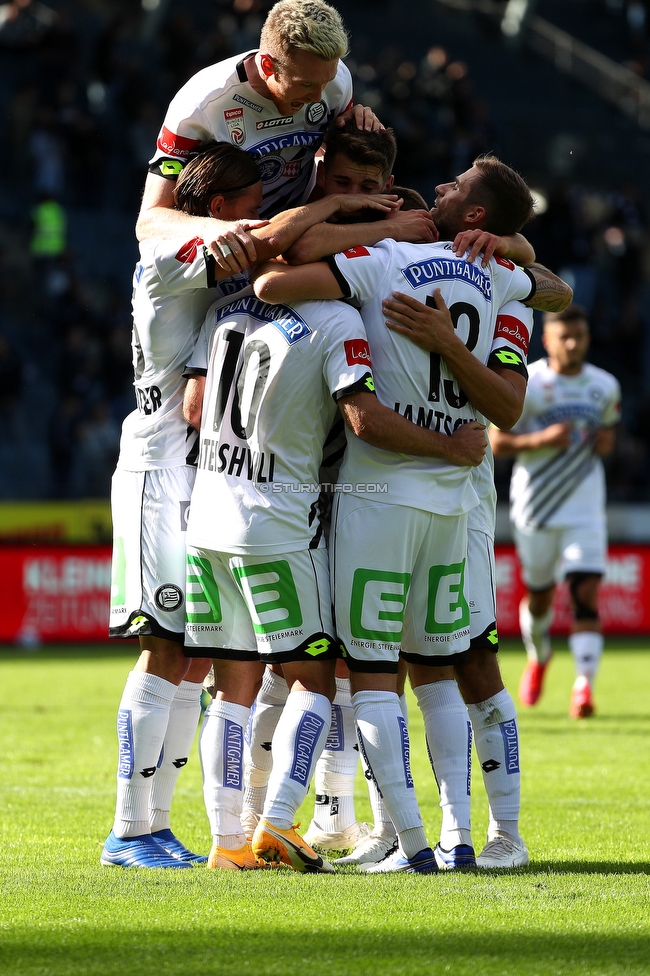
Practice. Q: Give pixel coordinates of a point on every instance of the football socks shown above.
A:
(384, 742)
(221, 747)
(587, 649)
(298, 742)
(336, 769)
(181, 728)
(141, 726)
(449, 741)
(496, 734)
(535, 633)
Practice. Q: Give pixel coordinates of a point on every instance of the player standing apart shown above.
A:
(557, 499)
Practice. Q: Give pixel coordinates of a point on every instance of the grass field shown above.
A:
(582, 907)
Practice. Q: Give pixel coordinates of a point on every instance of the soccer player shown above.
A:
(557, 499)
(174, 284)
(275, 103)
(398, 572)
(265, 384)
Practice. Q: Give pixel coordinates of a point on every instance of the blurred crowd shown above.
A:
(84, 85)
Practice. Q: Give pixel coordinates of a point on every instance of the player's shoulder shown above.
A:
(540, 369)
(210, 82)
(597, 374)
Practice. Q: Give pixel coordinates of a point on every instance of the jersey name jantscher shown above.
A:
(219, 103)
(418, 384)
(557, 487)
(173, 286)
(275, 373)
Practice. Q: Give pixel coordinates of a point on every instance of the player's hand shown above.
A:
(479, 242)
(364, 117)
(412, 226)
(604, 440)
(234, 249)
(351, 202)
(429, 328)
(467, 444)
(556, 435)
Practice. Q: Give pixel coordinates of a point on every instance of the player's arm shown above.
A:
(552, 294)
(275, 283)
(515, 247)
(193, 401)
(506, 443)
(415, 226)
(385, 428)
(496, 391)
(286, 228)
(605, 441)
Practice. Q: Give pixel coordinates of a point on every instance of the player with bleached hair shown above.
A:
(276, 103)
(557, 499)
(175, 282)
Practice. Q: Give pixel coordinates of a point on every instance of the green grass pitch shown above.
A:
(582, 907)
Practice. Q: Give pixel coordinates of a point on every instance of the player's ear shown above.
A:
(216, 203)
(267, 64)
(475, 217)
(320, 174)
(389, 183)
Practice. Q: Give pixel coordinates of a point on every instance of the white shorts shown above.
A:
(547, 555)
(277, 608)
(481, 586)
(149, 510)
(399, 583)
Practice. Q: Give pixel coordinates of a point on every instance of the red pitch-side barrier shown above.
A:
(54, 593)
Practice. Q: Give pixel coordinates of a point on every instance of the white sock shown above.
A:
(298, 742)
(535, 633)
(384, 743)
(265, 715)
(221, 747)
(183, 719)
(587, 649)
(383, 826)
(141, 725)
(449, 741)
(336, 769)
(496, 734)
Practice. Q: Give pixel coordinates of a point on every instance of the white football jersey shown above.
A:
(219, 103)
(557, 487)
(274, 374)
(173, 287)
(515, 323)
(416, 383)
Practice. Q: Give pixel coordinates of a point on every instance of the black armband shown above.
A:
(365, 385)
(169, 169)
(508, 359)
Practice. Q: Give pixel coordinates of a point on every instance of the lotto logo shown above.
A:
(357, 351)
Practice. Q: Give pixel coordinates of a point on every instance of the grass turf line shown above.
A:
(583, 906)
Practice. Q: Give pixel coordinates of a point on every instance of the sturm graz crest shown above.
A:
(316, 112)
(169, 597)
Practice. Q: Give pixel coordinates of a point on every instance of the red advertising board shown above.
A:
(624, 594)
(55, 593)
(61, 593)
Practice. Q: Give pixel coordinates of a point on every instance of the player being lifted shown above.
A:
(399, 570)
(275, 103)
(174, 284)
(557, 499)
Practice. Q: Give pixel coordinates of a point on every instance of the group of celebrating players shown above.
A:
(317, 377)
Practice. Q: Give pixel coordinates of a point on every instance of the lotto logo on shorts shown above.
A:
(335, 736)
(125, 743)
(377, 605)
(271, 596)
(233, 755)
(406, 752)
(202, 593)
(447, 610)
(309, 729)
(511, 745)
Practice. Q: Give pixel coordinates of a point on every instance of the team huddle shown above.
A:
(304, 500)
